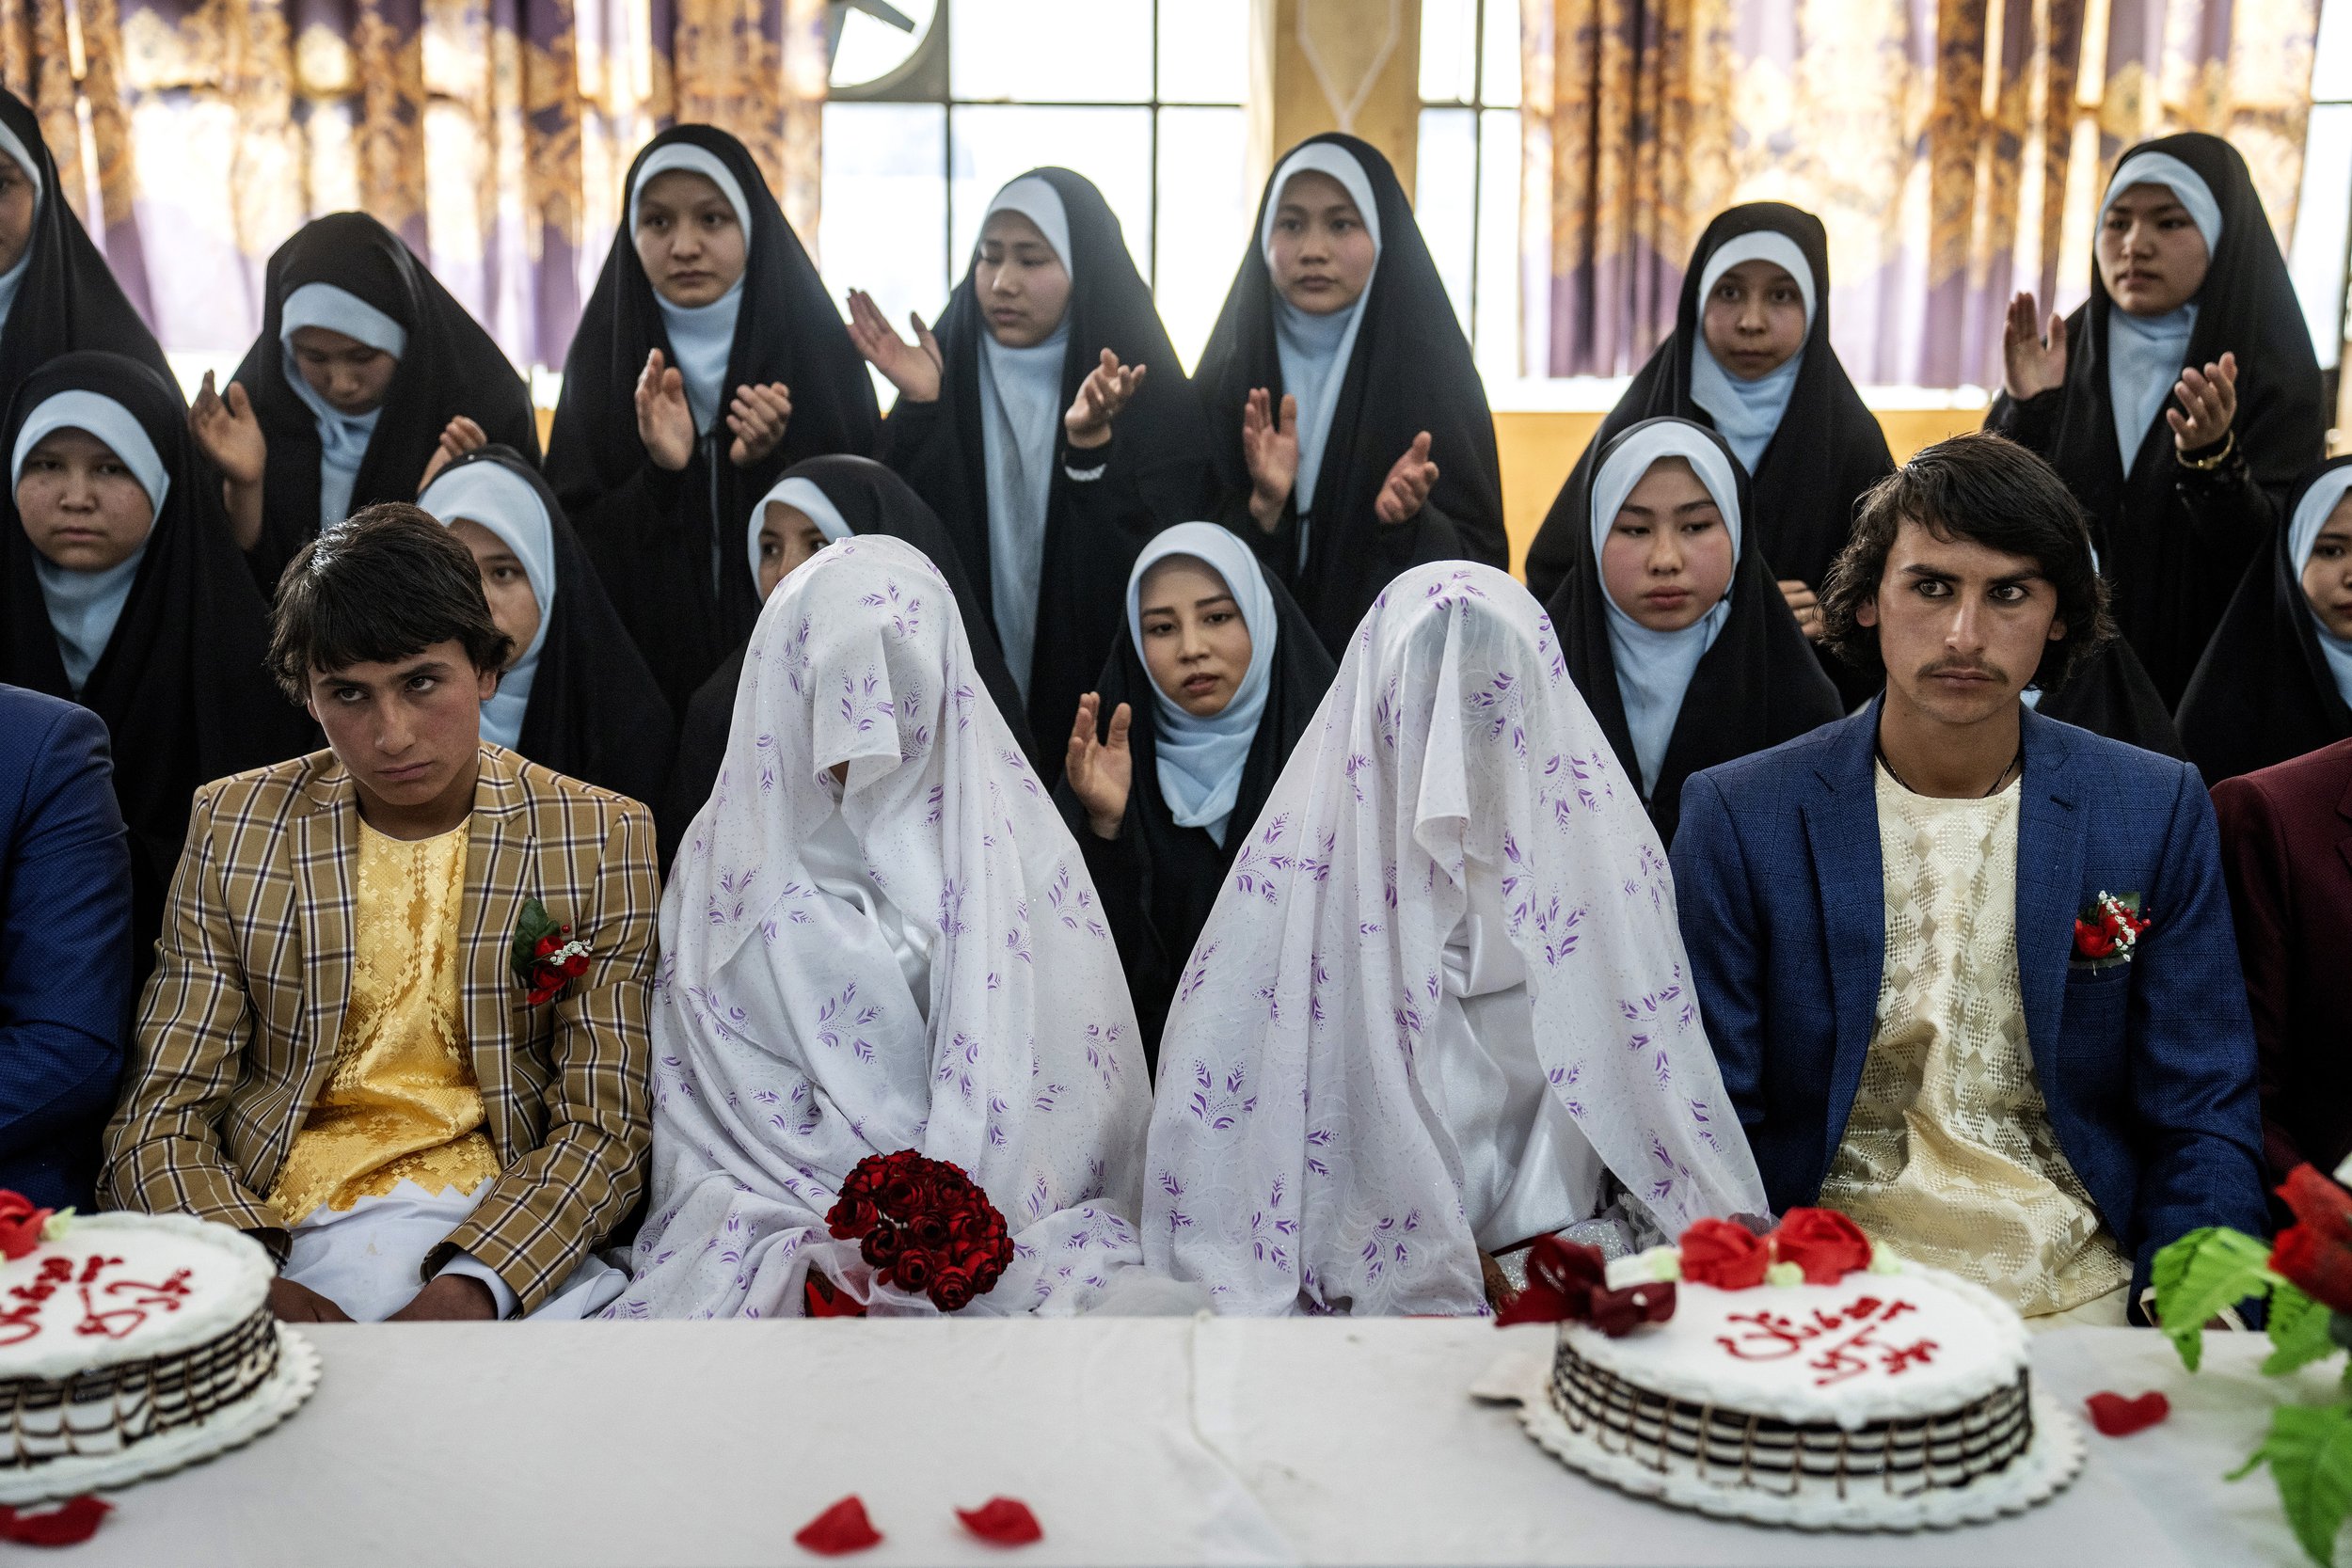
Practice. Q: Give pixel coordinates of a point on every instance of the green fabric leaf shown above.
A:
(2299, 1330)
(2310, 1454)
(530, 927)
(2199, 1275)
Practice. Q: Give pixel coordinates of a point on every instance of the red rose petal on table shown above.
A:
(2117, 1416)
(70, 1526)
(841, 1529)
(1006, 1521)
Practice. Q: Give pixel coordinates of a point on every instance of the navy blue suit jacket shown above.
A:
(65, 945)
(2147, 1067)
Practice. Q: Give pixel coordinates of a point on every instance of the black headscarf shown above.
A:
(2109, 694)
(1409, 371)
(1759, 684)
(2264, 691)
(68, 298)
(595, 712)
(1828, 450)
(1156, 464)
(1159, 880)
(180, 683)
(871, 499)
(665, 543)
(2170, 580)
(449, 366)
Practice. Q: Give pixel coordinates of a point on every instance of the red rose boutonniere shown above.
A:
(2107, 933)
(924, 1225)
(545, 957)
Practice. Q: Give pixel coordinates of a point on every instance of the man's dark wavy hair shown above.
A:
(1989, 490)
(382, 586)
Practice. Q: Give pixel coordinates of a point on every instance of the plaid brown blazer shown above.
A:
(238, 1028)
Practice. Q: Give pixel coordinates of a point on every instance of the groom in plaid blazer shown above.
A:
(367, 1085)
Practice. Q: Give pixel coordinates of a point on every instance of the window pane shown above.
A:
(1501, 84)
(1498, 333)
(871, 48)
(1205, 193)
(885, 228)
(2320, 226)
(1445, 197)
(1088, 50)
(1448, 50)
(1110, 146)
(1204, 51)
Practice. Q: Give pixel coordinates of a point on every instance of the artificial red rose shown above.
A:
(1726, 1256)
(1561, 1279)
(1002, 1522)
(899, 1193)
(2315, 1252)
(842, 1527)
(911, 1269)
(951, 1289)
(931, 1232)
(1618, 1313)
(2117, 1416)
(2094, 942)
(880, 1247)
(19, 1225)
(851, 1218)
(2318, 1201)
(1823, 1243)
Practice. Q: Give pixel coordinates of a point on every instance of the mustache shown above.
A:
(1964, 667)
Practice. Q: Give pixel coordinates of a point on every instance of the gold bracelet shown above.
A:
(2207, 464)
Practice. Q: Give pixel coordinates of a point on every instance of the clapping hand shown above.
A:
(228, 434)
(1407, 486)
(914, 368)
(664, 421)
(1100, 396)
(1101, 772)
(2210, 398)
(1270, 446)
(2033, 357)
(758, 415)
(458, 437)
(1804, 604)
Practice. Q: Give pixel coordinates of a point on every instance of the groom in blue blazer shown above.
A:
(1970, 576)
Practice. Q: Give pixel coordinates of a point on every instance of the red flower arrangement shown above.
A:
(2107, 931)
(2314, 1253)
(924, 1225)
(21, 1224)
(1726, 1256)
(545, 957)
(1821, 1243)
(1568, 1282)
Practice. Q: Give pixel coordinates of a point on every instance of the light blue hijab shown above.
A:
(1201, 761)
(13, 279)
(342, 437)
(84, 606)
(491, 494)
(805, 496)
(2145, 354)
(702, 337)
(1021, 411)
(2310, 515)
(1654, 668)
(1314, 351)
(1746, 413)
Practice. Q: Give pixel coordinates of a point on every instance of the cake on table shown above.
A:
(1804, 1378)
(133, 1343)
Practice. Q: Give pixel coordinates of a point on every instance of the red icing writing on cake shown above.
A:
(128, 1302)
(1836, 1345)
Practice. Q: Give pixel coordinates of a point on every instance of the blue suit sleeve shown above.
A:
(1716, 905)
(65, 961)
(2193, 1062)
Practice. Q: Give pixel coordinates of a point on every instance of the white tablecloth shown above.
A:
(1139, 1441)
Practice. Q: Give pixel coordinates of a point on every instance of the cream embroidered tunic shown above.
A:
(1948, 1153)
(402, 1103)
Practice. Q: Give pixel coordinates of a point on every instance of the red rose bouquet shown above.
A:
(2305, 1279)
(924, 1225)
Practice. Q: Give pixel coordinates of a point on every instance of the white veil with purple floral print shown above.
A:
(788, 1041)
(1295, 1162)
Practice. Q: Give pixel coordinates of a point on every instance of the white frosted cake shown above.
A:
(1880, 1395)
(127, 1329)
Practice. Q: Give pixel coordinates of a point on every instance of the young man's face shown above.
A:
(409, 730)
(1962, 626)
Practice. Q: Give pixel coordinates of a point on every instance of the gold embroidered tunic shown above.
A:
(1948, 1153)
(401, 1102)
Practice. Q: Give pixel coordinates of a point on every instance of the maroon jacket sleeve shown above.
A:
(2255, 859)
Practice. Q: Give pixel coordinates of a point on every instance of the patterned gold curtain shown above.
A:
(1955, 149)
(492, 133)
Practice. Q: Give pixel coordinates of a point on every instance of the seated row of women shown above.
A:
(1335, 428)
